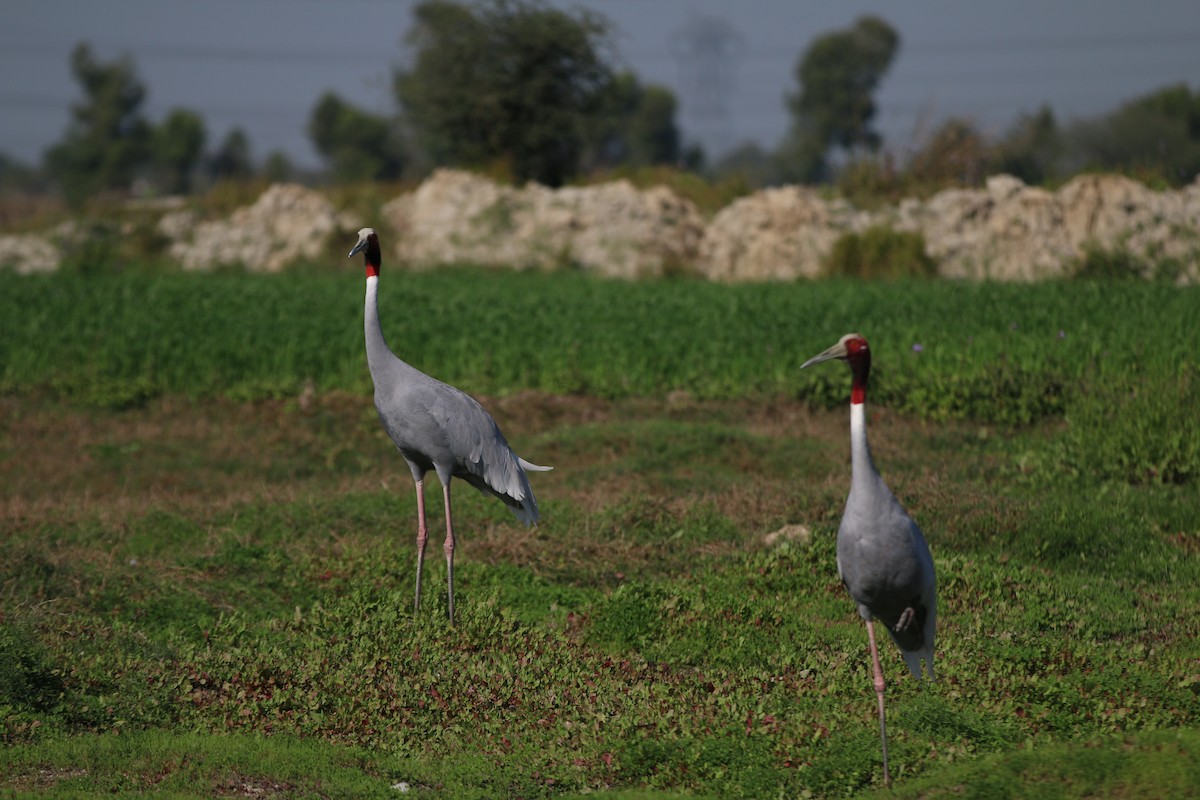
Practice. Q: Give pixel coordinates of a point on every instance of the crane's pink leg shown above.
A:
(422, 537)
(449, 548)
(887, 776)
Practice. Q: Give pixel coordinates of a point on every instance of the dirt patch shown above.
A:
(63, 462)
(202, 458)
(44, 778)
(238, 785)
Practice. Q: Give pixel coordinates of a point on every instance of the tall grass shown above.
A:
(1004, 353)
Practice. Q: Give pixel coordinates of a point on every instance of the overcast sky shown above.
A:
(261, 64)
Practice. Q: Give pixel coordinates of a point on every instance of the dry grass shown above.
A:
(205, 461)
(62, 461)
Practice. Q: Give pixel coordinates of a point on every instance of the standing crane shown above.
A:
(438, 427)
(882, 556)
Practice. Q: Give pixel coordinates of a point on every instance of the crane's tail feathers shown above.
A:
(531, 467)
(525, 510)
(914, 657)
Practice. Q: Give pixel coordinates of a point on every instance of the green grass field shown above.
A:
(207, 563)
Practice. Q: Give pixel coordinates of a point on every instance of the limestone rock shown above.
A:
(26, 253)
(1006, 231)
(287, 223)
(613, 229)
(781, 233)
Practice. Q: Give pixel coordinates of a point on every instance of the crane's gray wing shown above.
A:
(478, 452)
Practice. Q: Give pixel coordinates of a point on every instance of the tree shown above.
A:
(749, 163)
(955, 153)
(651, 135)
(18, 177)
(1031, 148)
(177, 147)
(107, 141)
(635, 125)
(231, 161)
(1157, 135)
(838, 75)
(278, 167)
(504, 81)
(358, 146)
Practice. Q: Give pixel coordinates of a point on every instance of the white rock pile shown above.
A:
(613, 228)
(287, 223)
(1003, 231)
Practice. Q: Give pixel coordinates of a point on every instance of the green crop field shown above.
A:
(206, 567)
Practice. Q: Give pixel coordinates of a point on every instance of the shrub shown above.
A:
(1120, 263)
(1135, 432)
(880, 252)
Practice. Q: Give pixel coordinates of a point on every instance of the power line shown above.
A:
(307, 55)
(256, 111)
(196, 52)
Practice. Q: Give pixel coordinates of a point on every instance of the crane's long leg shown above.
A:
(449, 548)
(422, 537)
(887, 776)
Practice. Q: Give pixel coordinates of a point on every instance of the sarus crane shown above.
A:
(882, 556)
(436, 426)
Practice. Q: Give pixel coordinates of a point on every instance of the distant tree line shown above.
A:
(109, 145)
(529, 92)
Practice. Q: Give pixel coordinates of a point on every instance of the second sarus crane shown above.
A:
(882, 556)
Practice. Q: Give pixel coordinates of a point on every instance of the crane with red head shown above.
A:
(882, 556)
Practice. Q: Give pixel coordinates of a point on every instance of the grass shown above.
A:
(207, 592)
(1002, 353)
(176, 764)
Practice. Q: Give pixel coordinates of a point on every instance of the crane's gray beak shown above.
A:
(837, 351)
(358, 248)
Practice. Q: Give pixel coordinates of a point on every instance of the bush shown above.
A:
(1120, 263)
(1135, 433)
(880, 252)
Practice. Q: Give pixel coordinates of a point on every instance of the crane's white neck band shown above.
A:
(858, 418)
(860, 451)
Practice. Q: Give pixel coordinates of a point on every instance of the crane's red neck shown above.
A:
(858, 356)
(371, 256)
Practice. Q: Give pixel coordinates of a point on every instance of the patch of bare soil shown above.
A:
(238, 785)
(44, 778)
(62, 463)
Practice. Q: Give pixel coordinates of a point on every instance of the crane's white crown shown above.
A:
(363, 234)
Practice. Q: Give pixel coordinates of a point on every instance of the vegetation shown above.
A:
(504, 81)
(1154, 138)
(107, 139)
(359, 146)
(635, 129)
(994, 352)
(880, 252)
(232, 160)
(206, 577)
(525, 91)
(1119, 263)
(838, 74)
(178, 146)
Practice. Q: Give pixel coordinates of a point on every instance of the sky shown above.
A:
(262, 64)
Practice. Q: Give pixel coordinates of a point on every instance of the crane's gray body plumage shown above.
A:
(883, 558)
(436, 426)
